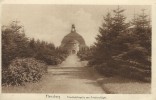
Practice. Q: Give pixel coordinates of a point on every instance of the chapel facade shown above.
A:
(73, 42)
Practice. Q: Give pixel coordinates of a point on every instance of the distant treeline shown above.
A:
(122, 48)
(25, 59)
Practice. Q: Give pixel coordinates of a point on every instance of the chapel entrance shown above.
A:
(73, 52)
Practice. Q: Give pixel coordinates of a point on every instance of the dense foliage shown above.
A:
(122, 48)
(84, 53)
(46, 52)
(23, 70)
(16, 44)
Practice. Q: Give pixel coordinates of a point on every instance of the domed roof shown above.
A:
(73, 35)
(73, 41)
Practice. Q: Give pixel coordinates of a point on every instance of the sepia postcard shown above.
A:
(78, 50)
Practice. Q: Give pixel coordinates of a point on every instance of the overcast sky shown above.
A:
(52, 22)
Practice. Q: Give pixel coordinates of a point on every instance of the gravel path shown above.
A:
(71, 77)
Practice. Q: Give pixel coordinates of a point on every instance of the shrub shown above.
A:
(23, 70)
(106, 69)
(135, 73)
(139, 54)
(51, 59)
(134, 70)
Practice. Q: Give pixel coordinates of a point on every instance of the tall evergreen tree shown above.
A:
(119, 32)
(112, 33)
(110, 41)
(119, 25)
(14, 42)
(142, 30)
(102, 49)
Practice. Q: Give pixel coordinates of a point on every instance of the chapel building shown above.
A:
(73, 42)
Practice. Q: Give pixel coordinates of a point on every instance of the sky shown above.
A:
(51, 22)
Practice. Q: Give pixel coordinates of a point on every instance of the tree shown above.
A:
(103, 44)
(142, 30)
(110, 38)
(119, 24)
(110, 42)
(14, 42)
(119, 32)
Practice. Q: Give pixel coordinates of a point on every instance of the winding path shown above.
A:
(72, 77)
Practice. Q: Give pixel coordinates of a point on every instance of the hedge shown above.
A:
(23, 70)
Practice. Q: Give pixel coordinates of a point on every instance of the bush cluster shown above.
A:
(84, 54)
(53, 60)
(23, 70)
(136, 68)
(46, 52)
